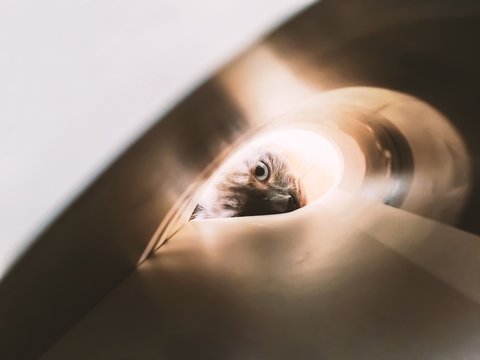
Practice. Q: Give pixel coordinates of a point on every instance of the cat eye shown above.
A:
(261, 171)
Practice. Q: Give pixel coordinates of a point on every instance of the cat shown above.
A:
(260, 183)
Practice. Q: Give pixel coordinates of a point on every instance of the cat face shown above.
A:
(260, 185)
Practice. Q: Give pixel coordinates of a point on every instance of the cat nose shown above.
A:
(283, 203)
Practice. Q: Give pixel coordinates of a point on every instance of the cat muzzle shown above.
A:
(283, 203)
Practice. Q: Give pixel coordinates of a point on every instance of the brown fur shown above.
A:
(239, 193)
